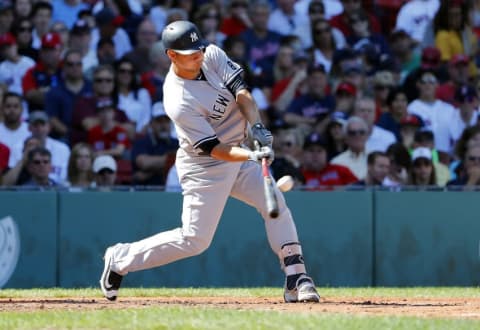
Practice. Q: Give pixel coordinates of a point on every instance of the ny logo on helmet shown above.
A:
(193, 36)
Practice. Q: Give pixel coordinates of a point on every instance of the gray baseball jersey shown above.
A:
(203, 110)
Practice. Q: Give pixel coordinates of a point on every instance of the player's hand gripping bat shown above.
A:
(268, 189)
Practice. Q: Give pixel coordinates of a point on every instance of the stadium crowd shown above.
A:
(357, 93)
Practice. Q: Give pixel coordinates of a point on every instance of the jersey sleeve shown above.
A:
(226, 69)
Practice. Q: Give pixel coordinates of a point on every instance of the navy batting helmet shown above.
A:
(183, 37)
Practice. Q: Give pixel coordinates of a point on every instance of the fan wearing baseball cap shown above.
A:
(423, 171)
(319, 174)
(14, 66)
(458, 75)
(45, 74)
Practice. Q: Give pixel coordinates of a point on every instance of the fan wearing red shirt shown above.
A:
(318, 173)
(108, 138)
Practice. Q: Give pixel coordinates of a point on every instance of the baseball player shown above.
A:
(207, 100)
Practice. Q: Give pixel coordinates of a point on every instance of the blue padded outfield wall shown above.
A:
(349, 238)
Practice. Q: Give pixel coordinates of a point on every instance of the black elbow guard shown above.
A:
(207, 146)
(236, 84)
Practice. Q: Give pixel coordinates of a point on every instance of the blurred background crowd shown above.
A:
(357, 93)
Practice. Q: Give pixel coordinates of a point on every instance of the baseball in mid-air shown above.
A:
(285, 183)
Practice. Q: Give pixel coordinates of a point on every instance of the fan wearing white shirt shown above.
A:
(39, 127)
(12, 129)
(437, 115)
(379, 139)
(14, 66)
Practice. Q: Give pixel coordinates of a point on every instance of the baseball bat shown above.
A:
(268, 189)
(270, 197)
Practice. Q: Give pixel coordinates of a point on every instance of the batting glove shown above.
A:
(263, 152)
(262, 135)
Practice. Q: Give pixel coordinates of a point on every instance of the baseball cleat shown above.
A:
(110, 281)
(304, 291)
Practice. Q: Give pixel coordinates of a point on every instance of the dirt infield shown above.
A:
(466, 308)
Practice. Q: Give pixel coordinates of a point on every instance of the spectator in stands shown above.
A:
(415, 16)
(400, 163)
(80, 172)
(12, 129)
(45, 74)
(316, 170)
(425, 138)
(397, 114)
(207, 18)
(154, 154)
(378, 167)
(39, 163)
(316, 10)
(158, 14)
(108, 138)
(334, 135)
(403, 51)
(6, 16)
(341, 21)
(287, 144)
(383, 82)
(22, 9)
(14, 66)
(453, 33)
(430, 60)
(66, 11)
(84, 115)
(105, 170)
(262, 43)
(4, 156)
(108, 26)
(106, 51)
(39, 127)
(80, 37)
(345, 95)
(60, 99)
(323, 44)
(409, 126)
(422, 172)
(42, 20)
(153, 80)
(146, 38)
(470, 174)
(355, 157)
(471, 135)
(437, 115)
(289, 77)
(379, 139)
(362, 35)
(286, 17)
(130, 97)
(22, 31)
(309, 111)
(238, 19)
(467, 114)
(61, 29)
(458, 75)
(18, 174)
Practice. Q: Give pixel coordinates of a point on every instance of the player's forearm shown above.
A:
(248, 107)
(229, 153)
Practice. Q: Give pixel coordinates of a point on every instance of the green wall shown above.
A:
(349, 238)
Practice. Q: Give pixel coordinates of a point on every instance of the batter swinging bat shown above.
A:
(268, 190)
